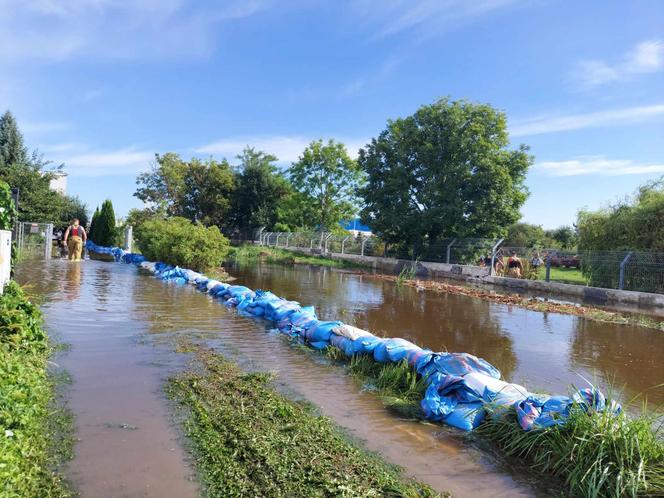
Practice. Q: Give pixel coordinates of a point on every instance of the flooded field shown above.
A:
(122, 327)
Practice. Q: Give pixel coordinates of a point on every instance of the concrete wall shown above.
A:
(479, 275)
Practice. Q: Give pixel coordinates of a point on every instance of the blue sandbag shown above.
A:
(179, 280)
(321, 331)
(393, 350)
(466, 416)
(319, 345)
(343, 343)
(456, 364)
(366, 345)
(298, 321)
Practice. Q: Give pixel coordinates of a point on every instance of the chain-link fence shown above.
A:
(628, 270)
(455, 251)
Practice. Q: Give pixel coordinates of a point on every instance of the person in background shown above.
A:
(499, 265)
(75, 237)
(514, 266)
(536, 261)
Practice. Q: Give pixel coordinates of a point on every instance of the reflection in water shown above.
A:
(72, 282)
(621, 358)
(545, 351)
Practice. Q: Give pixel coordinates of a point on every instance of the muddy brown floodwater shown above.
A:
(122, 326)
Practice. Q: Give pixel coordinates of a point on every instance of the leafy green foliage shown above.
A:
(105, 231)
(7, 210)
(445, 171)
(93, 224)
(252, 441)
(259, 191)
(326, 174)
(200, 191)
(633, 224)
(178, 241)
(26, 397)
(565, 237)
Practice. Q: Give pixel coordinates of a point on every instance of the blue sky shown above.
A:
(102, 85)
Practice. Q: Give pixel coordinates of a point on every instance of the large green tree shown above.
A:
(12, 148)
(200, 191)
(445, 171)
(328, 175)
(259, 191)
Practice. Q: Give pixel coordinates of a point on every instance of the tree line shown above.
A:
(446, 171)
(30, 175)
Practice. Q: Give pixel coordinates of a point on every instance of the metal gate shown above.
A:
(34, 240)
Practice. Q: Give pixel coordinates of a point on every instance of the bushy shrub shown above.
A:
(178, 241)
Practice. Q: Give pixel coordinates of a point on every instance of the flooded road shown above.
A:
(122, 327)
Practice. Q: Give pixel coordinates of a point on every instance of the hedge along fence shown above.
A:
(619, 455)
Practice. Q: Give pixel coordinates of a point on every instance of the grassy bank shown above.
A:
(33, 431)
(594, 455)
(283, 256)
(250, 440)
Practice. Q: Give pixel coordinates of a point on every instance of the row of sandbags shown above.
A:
(461, 388)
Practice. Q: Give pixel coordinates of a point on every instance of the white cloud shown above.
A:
(286, 148)
(598, 165)
(122, 29)
(612, 117)
(389, 17)
(80, 160)
(646, 57)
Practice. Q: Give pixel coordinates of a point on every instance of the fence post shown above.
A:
(326, 240)
(364, 241)
(449, 248)
(547, 277)
(288, 238)
(260, 236)
(343, 243)
(129, 238)
(267, 238)
(49, 241)
(621, 280)
(492, 272)
(276, 244)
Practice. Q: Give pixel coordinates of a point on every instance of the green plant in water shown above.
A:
(596, 454)
(408, 272)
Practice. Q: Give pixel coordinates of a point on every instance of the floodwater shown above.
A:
(122, 325)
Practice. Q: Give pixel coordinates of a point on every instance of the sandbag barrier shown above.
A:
(461, 388)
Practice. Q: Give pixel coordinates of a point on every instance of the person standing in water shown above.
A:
(75, 237)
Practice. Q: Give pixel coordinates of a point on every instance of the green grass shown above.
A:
(34, 434)
(283, 256)
(398, 385)
(566, 275)
(250, 440)
(596, 455)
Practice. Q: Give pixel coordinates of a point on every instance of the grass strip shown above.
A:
(400, 388)
(597, 455)
(284, 256)
(250, 440)
(34, 433)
